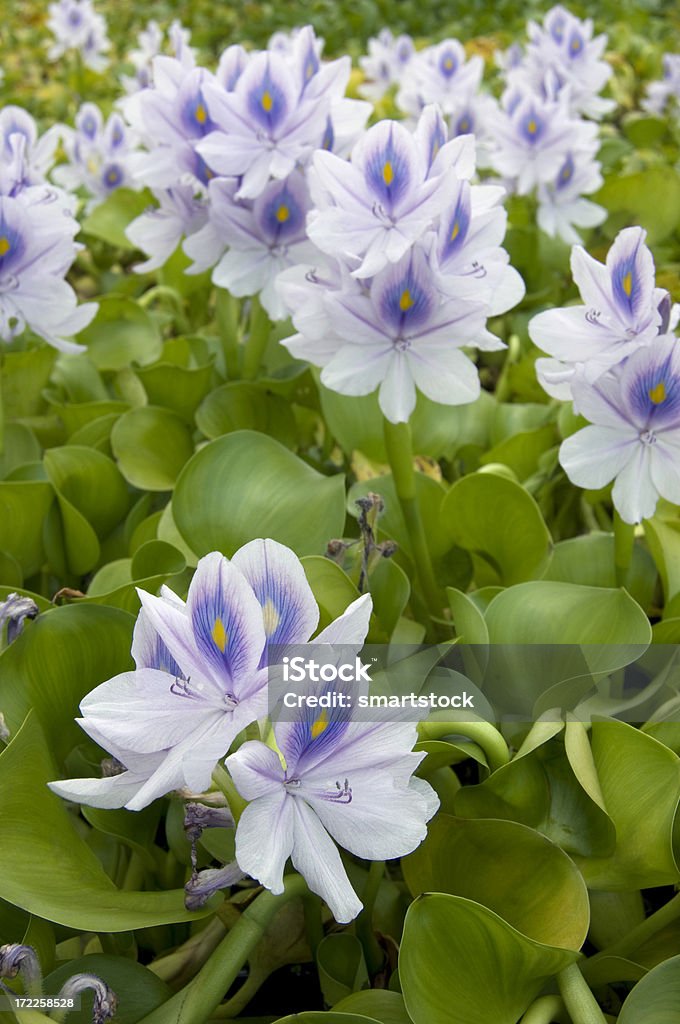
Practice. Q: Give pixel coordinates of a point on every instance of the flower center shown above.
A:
(648, 437)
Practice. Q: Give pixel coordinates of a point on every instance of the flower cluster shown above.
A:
(617, 358)
(664, 94)
(77, 26)
(410, 265)
(541, 140)
(384, 65)
(228, 159)
(37, 231)
(150, 45)
(201, 678)
(98, 153)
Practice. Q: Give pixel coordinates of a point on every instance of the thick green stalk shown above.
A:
(400, 456)
(483, 733)
(373, 951)
(195, 1003)
(581, 1004)
(2, 414)
(258, 336)
(228, 312)
(544, 1011)
(624, 538)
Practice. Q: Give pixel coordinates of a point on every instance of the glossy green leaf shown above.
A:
(332, 588)
(24, 375)
(241, 405)
(139, 991)
(459, 963)
(342, 968)
(247, 485)
(177, 388)
(72, 888)
(20, 446)
(151, 446)
(23, 508)
(509, 868)
(640, 783)
(390, 589)
(64, 655)
(651, 198)
(589, 560)
(91, 482)
(387, 1007)
(663, 537)
(500, 521)
(656, 998)
(121, 333)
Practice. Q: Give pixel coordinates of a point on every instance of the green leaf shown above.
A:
(109, 220)
(663, 536)
(459, 963)
(52, 665)
(589, 560)
(241, 405)
(468, 620)
(121, 333)
(640, 784)
(151, 445)
(71, 889)
(650, 198)
(23, 509)
(390, 589)
(24, 375)
(386, 1007)
(496, 518)
(177, 388)
(656, 997)
(342, 968)
(509, 868)
(91, 483)
(20, 447)
(332, 588)
(247, 485)
(139, 991)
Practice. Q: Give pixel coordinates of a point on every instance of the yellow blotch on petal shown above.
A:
(4, 246)
(658, 393)
(320, 725)
(464, 126)
(219, 635)
(388, 173)
(267, 101)
(448, 63)
(282, 214)
(455, 231)
(627, 284)
(270, 617)
(201, 114)
(532, 127)
(405, 300)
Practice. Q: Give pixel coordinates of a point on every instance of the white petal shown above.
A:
(595, 455)
(316, 857)
(264, 838)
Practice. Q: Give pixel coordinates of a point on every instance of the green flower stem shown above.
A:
(2, 414)
(228, 312)
(258, 336)
(624, 538)
(544, 1011)
(483, 733)
(373, 951)
(225, 783)
(196, 1002)
(637, 936)
(164, 291)
(400, 456)
(581, 1004)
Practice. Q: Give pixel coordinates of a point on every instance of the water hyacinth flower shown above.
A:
(533, 136)
(562, 206)
(37, 247)
(264, 238)
(439, 74)
(280, 111)
(385, 63)
(25, 156)
(634, 438)
(331, 779)
(660, 95)
(400, 335)
(373, 209)
(564, 51)
(159, 230)
(201, 672)
(622, 311)
(99, 155)
(77, 26)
